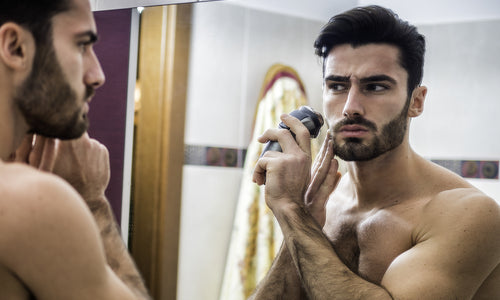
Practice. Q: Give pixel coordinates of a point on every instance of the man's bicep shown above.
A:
(420, 273)
(455, 255)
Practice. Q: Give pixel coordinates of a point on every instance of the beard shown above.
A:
(392, 135)
(48, 103)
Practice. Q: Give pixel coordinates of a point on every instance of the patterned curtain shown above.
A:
(256, 236)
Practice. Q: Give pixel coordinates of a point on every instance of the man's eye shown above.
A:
(84, 46)
(376, 87)
(337, 87)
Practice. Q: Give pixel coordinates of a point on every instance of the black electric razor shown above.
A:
(311, 119)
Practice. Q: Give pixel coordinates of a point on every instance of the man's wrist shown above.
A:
(288, 209)
(96, 202)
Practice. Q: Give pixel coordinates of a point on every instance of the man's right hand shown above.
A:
(82, 162)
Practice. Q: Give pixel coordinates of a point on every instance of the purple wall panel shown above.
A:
(108, 108)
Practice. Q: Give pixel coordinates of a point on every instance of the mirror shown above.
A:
(232, 47)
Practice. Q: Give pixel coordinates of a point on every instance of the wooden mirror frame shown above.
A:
(159, 146)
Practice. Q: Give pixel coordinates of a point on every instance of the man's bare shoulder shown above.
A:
(26, 185)
(442, 179)
(32, 204)
(464, 211)
(48, 236)
(449, 194)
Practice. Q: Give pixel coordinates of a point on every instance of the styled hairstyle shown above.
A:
(375, 24)
(34, 15)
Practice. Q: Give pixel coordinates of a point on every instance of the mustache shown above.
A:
(356, 120)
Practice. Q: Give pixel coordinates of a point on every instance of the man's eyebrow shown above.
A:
(376, 78)
(90, 34)
(337, 78)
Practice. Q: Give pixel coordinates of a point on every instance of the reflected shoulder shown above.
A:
(466, 208)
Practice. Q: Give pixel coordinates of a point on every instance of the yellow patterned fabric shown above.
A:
(256, 236)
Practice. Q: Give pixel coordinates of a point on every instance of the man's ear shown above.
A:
(417, 101)
(17, 46)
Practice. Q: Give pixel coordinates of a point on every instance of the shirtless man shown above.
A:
(52, 246)
(395, 226)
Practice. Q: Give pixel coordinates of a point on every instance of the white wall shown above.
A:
(441, 11)
(232, 49)
(462, 72)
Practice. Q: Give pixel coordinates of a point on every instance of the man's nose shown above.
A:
(94, 76)
(353, 105)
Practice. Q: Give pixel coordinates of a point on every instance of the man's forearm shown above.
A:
(282, 280)
(322, 273)
(117, 254)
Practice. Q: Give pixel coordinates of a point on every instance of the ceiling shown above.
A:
(415, 11)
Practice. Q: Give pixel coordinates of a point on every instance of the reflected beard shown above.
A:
(392, 136)
(47, 101)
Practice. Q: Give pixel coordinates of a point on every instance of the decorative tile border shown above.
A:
(234, 158)
(214, 156)
(483, 169)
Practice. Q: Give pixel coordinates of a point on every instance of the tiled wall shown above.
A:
(214, 156)
(471, 168)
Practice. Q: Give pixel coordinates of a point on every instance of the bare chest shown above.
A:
(367, 243)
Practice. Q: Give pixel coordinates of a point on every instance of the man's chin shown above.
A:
(66, 133)
(354, 151)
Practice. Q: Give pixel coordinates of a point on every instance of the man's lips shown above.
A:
(353, 130)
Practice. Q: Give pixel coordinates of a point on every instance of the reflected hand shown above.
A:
(286, 174)
(325, 177)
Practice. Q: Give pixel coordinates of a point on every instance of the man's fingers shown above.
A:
(302, 135)
(330, 183)
(259, 172)
(285, 138)
(282, 136)
(333, 178)
(322, 165)
(323, 183)
(23, 152)
(48, 157)
(326, 149)
(36, 153)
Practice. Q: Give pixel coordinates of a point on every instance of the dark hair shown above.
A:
(375, 24)
(34, 15)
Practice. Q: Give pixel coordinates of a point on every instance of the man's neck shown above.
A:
(13, 127)
(385, 180)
